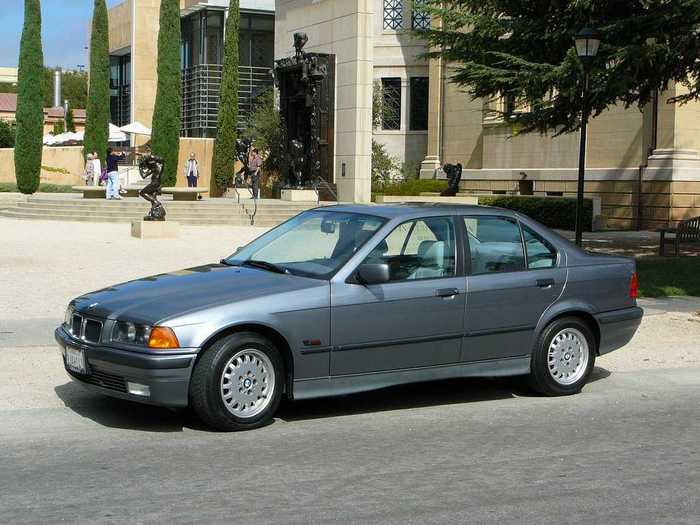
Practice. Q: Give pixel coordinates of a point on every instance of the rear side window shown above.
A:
(540, 253)
(495, 245)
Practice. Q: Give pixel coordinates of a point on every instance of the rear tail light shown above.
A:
(634, 284)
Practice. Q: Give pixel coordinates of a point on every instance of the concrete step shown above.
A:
(216, 221)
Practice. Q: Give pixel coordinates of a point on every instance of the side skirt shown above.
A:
(349, 384)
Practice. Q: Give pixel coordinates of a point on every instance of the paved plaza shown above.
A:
(438, 452)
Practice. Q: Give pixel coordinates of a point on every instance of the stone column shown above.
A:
(432, 162)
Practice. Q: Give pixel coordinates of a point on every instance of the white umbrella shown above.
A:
(115, 134)
(136, 128)
(49, 140)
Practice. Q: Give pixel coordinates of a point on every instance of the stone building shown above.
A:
(643, 164)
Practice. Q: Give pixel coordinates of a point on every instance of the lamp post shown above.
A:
(587, 43)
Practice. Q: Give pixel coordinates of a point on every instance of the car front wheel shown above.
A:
(563, 357)
(237, 383)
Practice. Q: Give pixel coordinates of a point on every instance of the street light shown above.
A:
(587, 43)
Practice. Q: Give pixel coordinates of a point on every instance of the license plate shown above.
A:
(75, 360)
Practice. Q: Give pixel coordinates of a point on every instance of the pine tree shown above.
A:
(166, 114)
(70, 125)
(523, 50)
(30, 110)
(225, 144)
(98, 112)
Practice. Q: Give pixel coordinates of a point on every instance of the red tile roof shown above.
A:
(8, 104)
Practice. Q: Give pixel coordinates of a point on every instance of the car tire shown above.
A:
(563, 357)
(237, 383)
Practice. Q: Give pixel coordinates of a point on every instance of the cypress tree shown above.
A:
(166, 114)
(225, 144)
(30, 110)
(98, 113)
(70, 125)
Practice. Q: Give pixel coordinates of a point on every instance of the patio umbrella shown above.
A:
(136, 128)
(49, 140)
(115, 134)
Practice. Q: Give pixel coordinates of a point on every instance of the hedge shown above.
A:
(411, 187)
(554, 212)
(11, 187)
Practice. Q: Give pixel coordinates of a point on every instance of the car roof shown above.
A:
(417, 209)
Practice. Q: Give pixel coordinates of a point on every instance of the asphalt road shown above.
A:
(626, 450)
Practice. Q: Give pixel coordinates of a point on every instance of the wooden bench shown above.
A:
(99, 192)
(688, 230)
(184, 194)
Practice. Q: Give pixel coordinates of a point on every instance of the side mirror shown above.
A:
(373, 273)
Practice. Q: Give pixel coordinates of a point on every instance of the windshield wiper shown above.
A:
(265, 266)
(227, 263)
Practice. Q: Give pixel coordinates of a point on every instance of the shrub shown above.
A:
(30, 112)
(7, 134)
(413, 187)
(265, 130)
(554, 212)
(58, 127)
(70, 125)
(384, 166)
(165, 140)
(225, 145)
(98, 107)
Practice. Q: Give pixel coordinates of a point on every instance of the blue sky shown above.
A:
(64, 27)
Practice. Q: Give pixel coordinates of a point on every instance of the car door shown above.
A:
(514, 276)
(414, 320)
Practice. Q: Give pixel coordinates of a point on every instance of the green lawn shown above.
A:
(668, 276)
(11, 187)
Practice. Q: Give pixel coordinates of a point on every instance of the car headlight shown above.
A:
(68, 319)
(131, 333)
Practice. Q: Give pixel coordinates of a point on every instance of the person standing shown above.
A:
(192, 171)
(112, 161)
(89, 170)
(254, 165)
(96, 169)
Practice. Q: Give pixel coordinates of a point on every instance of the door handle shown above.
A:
(545, 283)
(446, 292)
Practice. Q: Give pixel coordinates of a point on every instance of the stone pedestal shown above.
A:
(294, 195)
(155, 229)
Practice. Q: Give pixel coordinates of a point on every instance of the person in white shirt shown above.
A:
(192, 171)
(97, 169)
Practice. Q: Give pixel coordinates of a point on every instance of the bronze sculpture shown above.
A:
(152, 166)
(242, 154)
(299, 79)
(454, 175)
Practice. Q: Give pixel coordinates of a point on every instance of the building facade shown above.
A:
(642, 163)
(133, 45)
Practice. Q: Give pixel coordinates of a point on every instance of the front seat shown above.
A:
(432, 260)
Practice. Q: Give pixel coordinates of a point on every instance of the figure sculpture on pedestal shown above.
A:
(152, 166)
(242, 154)
(454, 175)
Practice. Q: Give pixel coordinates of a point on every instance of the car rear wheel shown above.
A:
(563, 358)
(237, 383)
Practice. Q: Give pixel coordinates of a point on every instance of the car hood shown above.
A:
(150, 300)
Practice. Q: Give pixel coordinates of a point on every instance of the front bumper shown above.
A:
(109, 370)
(618, 327)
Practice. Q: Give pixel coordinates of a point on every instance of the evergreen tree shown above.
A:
(166, 114)
(30, 110)
(70, 125)
(523, 50)
(225, 144)
(98, 112)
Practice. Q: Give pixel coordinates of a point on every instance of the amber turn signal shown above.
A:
(163, 337)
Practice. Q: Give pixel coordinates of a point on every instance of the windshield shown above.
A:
(313, 244)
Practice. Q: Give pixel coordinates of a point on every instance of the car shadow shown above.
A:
(118, 413)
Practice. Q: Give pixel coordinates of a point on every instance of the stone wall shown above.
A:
(65, 165)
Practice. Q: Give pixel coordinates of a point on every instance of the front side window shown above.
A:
(419, 249)
(495, 245)
(313, 244)
(540, 253)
